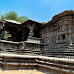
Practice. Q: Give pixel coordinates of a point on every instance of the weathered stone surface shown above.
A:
(46, 64)
(58, 35)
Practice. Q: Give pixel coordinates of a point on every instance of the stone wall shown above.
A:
(57, 30)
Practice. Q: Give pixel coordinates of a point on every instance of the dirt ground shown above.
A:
(21, 72)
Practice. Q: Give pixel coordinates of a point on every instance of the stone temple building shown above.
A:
(54, 38)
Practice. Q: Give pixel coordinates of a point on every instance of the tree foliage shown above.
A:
(13, 16)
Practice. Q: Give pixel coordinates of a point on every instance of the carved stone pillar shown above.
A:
(31, 33)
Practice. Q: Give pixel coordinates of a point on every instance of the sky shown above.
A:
(38, 10)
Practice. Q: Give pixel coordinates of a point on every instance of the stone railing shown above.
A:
(49, 65)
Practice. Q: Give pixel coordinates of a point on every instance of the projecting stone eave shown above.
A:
(11, 21)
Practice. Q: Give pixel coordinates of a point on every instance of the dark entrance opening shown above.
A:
(25, 33)
(36, 32)
(63, 36)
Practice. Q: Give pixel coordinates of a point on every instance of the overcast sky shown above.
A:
(38, 10)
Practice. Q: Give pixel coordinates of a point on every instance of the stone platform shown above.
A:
(29, 47)
(49, 65)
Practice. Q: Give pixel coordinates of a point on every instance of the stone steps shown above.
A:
(21, 62)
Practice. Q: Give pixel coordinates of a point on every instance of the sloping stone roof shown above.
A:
(62, 14)
(30, 21)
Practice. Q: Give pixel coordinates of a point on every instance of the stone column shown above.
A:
(31, 34)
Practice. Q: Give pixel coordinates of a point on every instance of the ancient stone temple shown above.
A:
(53, 38)
(58, 34)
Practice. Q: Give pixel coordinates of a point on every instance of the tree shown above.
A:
(13, 16)
(22, 19)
